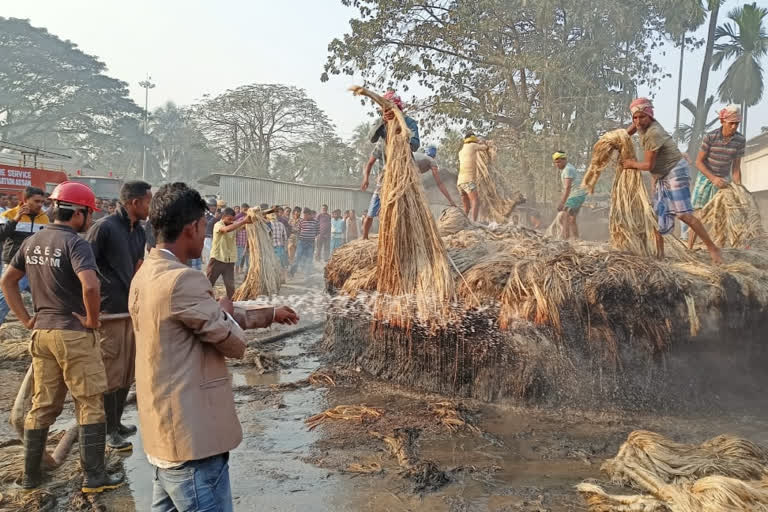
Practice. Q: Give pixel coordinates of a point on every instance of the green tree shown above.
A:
(178, 149)
(684, 131)
(746, 44)
(55, 96)
(252, 124)
(698, 125)
(531, 75)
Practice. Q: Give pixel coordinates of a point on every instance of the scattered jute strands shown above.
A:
(359, 413)
(265, 273)
(412, 267)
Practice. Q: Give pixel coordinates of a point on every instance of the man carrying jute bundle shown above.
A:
(379, 135)
(224, 250)
(65, 354)
(670, 176)
(118, 243)
(467, 182)
(718, 161)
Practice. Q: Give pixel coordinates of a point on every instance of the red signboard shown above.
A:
(15, 179)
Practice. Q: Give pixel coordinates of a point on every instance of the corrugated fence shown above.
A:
(240, 189)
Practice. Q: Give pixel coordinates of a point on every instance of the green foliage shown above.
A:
(259, 122)
(684, 131)
(56, 96)
(746, 44)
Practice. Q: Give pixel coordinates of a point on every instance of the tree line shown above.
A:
(546, 75)
(56, 97)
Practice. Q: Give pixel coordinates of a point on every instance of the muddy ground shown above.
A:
(483, 457)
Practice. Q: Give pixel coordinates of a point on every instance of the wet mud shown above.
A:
(421, 452)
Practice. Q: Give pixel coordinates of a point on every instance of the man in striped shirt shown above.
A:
(308, 231)
(719, 160)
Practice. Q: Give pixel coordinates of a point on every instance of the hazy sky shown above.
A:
(194, 47)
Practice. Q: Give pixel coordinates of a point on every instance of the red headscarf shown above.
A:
(731, 114)
(641, 105)
(394, 98)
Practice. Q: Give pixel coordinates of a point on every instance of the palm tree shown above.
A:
(681, 17)
(698, 126)
(747, 43)
(684, 132)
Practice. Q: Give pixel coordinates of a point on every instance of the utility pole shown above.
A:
(147, 85)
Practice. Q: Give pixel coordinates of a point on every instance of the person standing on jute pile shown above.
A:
(719, 160)
(183, 335)
(670, 177)
(379, 136)
(467, 182)
(16, 225)
(118, 243)
(573, 194)
(65, 355)
(224, 250)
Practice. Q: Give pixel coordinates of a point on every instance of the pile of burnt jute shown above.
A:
(547, 321)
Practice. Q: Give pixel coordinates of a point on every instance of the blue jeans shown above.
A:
(282, 257)
(196, 486)
(305, 252)
(4, 307)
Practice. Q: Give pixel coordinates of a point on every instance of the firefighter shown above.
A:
(65, 289)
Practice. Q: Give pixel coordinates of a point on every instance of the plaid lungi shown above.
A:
(703, 191)
(672, 196)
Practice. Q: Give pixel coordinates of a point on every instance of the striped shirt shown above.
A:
(241, 236)
(279, 235)
(308, 229)
(721, 153)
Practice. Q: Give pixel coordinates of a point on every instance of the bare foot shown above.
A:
(717, 256)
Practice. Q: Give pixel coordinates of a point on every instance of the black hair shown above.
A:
(228, 212)
(174, 206)
(306, 211)
(133, 190)
(264, 206)
(244, 205)
(33, 191)
(63, 214)
(469, 134)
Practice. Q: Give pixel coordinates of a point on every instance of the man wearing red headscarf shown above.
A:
(719, 159)
(670, 176)
(379, 137)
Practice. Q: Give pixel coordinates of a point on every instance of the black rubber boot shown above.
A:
(34, 448)
(111, 410)
(125, 430)
(95, 478)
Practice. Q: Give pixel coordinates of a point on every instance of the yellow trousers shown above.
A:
(64, 360)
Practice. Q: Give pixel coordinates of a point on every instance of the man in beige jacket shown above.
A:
(187, 416)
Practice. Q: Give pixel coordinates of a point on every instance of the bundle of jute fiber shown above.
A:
(674, 462)
(632, 221)
(411, 258)
(494, 205)
(722, 474)
(265, 274)
(732, 219)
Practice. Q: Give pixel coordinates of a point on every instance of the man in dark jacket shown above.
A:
(16, 225)
(118, 242)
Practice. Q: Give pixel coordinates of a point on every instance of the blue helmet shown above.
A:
(431, 151)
